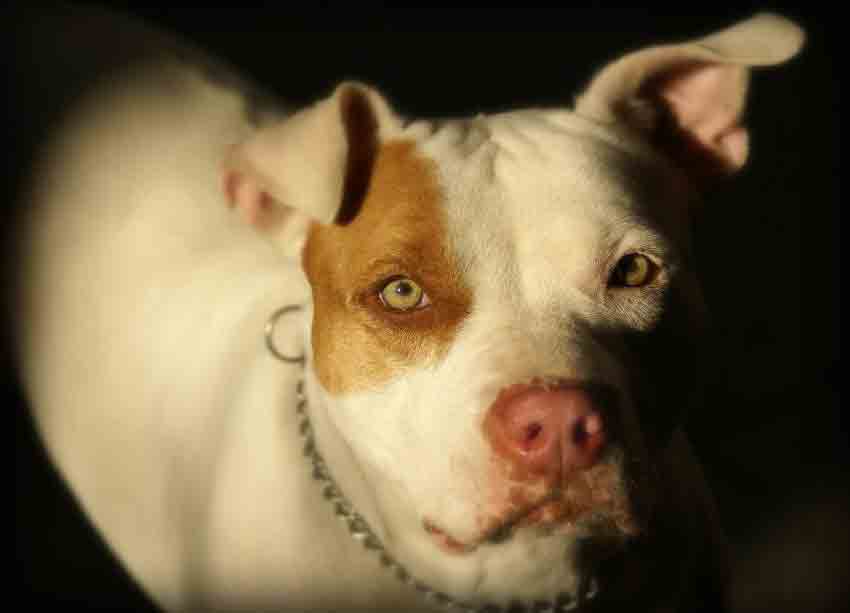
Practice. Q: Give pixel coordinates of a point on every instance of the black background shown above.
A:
(771, 434)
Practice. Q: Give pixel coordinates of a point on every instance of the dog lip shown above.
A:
(502, 529)
(446, 542)
(497, 533)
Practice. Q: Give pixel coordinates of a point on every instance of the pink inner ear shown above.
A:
(706, 102)
(243, 193)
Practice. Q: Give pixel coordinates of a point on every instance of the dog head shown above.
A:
(504, 325)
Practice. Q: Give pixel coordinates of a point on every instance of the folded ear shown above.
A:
(314, 165)
(688, 98)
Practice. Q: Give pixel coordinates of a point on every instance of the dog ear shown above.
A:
(688, 98)
(313, 165)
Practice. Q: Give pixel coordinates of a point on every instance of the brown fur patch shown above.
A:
(399, 230)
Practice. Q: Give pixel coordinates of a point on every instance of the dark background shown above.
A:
(771, 434)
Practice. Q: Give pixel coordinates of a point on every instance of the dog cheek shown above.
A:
(668, 364)
(347, 356)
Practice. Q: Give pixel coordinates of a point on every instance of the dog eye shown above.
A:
(633, 270)
(403, 294)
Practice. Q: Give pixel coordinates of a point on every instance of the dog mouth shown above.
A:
(542, 514)
(590, 504)
(604, 551)
(535, 517)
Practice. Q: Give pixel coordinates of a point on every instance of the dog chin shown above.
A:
(527, 567)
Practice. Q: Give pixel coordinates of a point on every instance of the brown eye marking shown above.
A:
(633, 270)
(399, 228)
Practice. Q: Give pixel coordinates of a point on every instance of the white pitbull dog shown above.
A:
(489, 327)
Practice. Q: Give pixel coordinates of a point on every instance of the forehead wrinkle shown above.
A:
(548, 175)
(495, 220)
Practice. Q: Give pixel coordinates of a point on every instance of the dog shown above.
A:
(337, 359)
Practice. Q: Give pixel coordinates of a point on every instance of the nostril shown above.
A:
(532, 432)
(587, 427)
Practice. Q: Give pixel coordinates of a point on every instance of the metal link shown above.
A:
(271, 324)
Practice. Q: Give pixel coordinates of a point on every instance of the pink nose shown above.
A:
(545, 431)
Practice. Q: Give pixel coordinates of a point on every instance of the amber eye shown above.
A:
(403, 294)
(633, 270)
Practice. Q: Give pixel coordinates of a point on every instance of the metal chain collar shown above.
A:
(360, 530)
